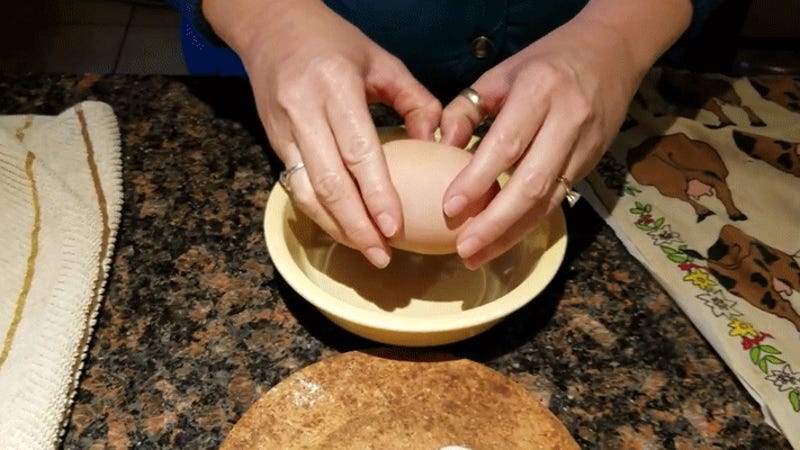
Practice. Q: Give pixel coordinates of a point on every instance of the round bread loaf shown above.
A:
(398, 399)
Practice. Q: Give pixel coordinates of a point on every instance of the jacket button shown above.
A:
(482, 47)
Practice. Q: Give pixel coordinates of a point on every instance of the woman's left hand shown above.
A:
(557, 105)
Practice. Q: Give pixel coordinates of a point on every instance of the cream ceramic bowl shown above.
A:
(418, 300)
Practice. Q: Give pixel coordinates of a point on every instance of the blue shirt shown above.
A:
(446, 44)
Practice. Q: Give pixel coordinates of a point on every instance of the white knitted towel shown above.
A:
(60, 201)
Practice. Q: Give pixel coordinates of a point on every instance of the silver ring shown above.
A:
(284, 176)
(571, 196)
(473, 97)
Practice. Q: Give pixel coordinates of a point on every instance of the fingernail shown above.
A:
(387, 224)
(472, 264)
(455, 205)
(377, 256)
(468, 247)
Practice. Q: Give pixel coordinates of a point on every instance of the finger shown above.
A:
(305, 199)
(461, 116)
(392, 83)
(335, 189)
(459, 119)
(506, 241)
(504, 144)
(532, 189)
(361, 151)
(521, 227)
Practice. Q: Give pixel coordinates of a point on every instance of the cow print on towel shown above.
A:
(782, 155)
(782, 90)
(756, 272)
(696, 92)
(683, 168)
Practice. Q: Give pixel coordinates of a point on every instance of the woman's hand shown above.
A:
(557, 104)
(313, 74)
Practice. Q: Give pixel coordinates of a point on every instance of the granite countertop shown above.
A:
(197, 324)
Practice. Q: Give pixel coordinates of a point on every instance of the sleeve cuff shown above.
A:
(701, 10)
(192, 11)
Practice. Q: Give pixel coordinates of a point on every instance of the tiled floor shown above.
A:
(78, 36)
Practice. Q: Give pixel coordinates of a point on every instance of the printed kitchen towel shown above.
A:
(703, 186)
(60, 201)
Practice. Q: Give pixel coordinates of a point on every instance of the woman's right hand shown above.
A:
(313, 74)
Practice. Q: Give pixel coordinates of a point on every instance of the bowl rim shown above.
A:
(275, 219)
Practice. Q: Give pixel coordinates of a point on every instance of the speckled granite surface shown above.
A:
(196, 324)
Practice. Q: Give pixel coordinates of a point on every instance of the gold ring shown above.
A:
(473, 97)
(571, 196)
(283, 178)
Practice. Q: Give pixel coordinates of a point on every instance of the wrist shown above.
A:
(240, 23)
(247, 26)
(231, 20)
(642, 30)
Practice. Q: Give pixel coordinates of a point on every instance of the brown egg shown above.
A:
(421, 172)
